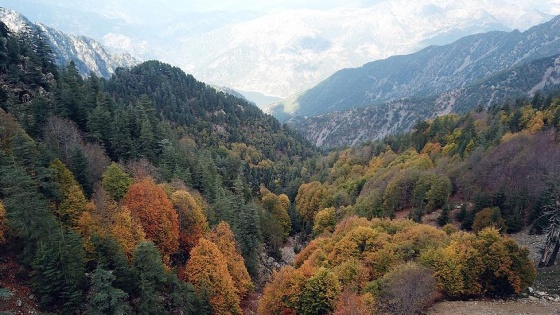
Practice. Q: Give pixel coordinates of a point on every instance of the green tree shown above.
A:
(59, 272)
(104, 298)
(115, 181)
(319, 294)
(150, 278)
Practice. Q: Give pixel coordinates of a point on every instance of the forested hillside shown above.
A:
(131, 194)
(491, 172)
(152, 193)
(356, 126)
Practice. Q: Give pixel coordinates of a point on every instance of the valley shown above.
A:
(425, 183)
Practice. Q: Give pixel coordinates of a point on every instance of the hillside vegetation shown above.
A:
(152, 193)
(131, 194)
(490, 172)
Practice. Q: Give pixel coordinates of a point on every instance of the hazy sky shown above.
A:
(234, 5)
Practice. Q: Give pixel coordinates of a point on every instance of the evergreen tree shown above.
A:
(150, 277)
(104, 298)
(59, 267)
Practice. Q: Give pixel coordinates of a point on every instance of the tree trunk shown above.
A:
(551, 247)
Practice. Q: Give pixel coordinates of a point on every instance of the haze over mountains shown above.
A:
(283, 52)
(476, 71)
(260, 54)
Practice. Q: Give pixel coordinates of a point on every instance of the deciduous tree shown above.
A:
(149, 203)
(207, 270)
(3, 224)
(224, 239)
(115, 181)
(192, 221)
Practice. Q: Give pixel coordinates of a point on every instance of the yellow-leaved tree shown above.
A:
(72, 202)
(311, 198)
(224, 239)
(207, 270)
(3, 224)
(278, 207)
(111, 219)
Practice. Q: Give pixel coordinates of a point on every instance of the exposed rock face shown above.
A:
(88, 55)
(427, 73)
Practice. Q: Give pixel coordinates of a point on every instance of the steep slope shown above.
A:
(281, 52)
(355, 126)
(428, 72)
(287, 52)
(88, 55)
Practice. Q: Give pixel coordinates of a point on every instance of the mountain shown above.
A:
(290, 51)
(358, 125)
(281, 52)
(201, 159)
(88, 55)
(428, 72)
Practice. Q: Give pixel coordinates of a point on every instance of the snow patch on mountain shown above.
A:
(88, 55)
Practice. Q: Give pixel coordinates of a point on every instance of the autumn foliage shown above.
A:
(311, 198)
(379, 258)
(71, 202)
(207, 270)
(278, 207)
(192, 221)
(149, 204)
(3, 224)
(224, 239)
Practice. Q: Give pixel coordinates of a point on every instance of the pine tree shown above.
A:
(150, 277)
(79, 167)
(104, 298)
(59, 267)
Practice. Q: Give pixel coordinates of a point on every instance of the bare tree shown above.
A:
(552, 244)
(62, 136)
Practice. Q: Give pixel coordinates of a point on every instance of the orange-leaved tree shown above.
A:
(280, 296)
(207, 270)
(224, 239)
(111, 219)
(149, 204)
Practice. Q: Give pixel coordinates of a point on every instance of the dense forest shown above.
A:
(491, 172)
(108, 186)
(152, 193)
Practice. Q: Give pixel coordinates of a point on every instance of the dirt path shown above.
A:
(518, 307)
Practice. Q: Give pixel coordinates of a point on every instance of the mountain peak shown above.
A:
(88, 55)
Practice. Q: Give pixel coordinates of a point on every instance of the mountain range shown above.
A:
(88, 55)
(390, 95)
(287, 52)
(279, 53)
